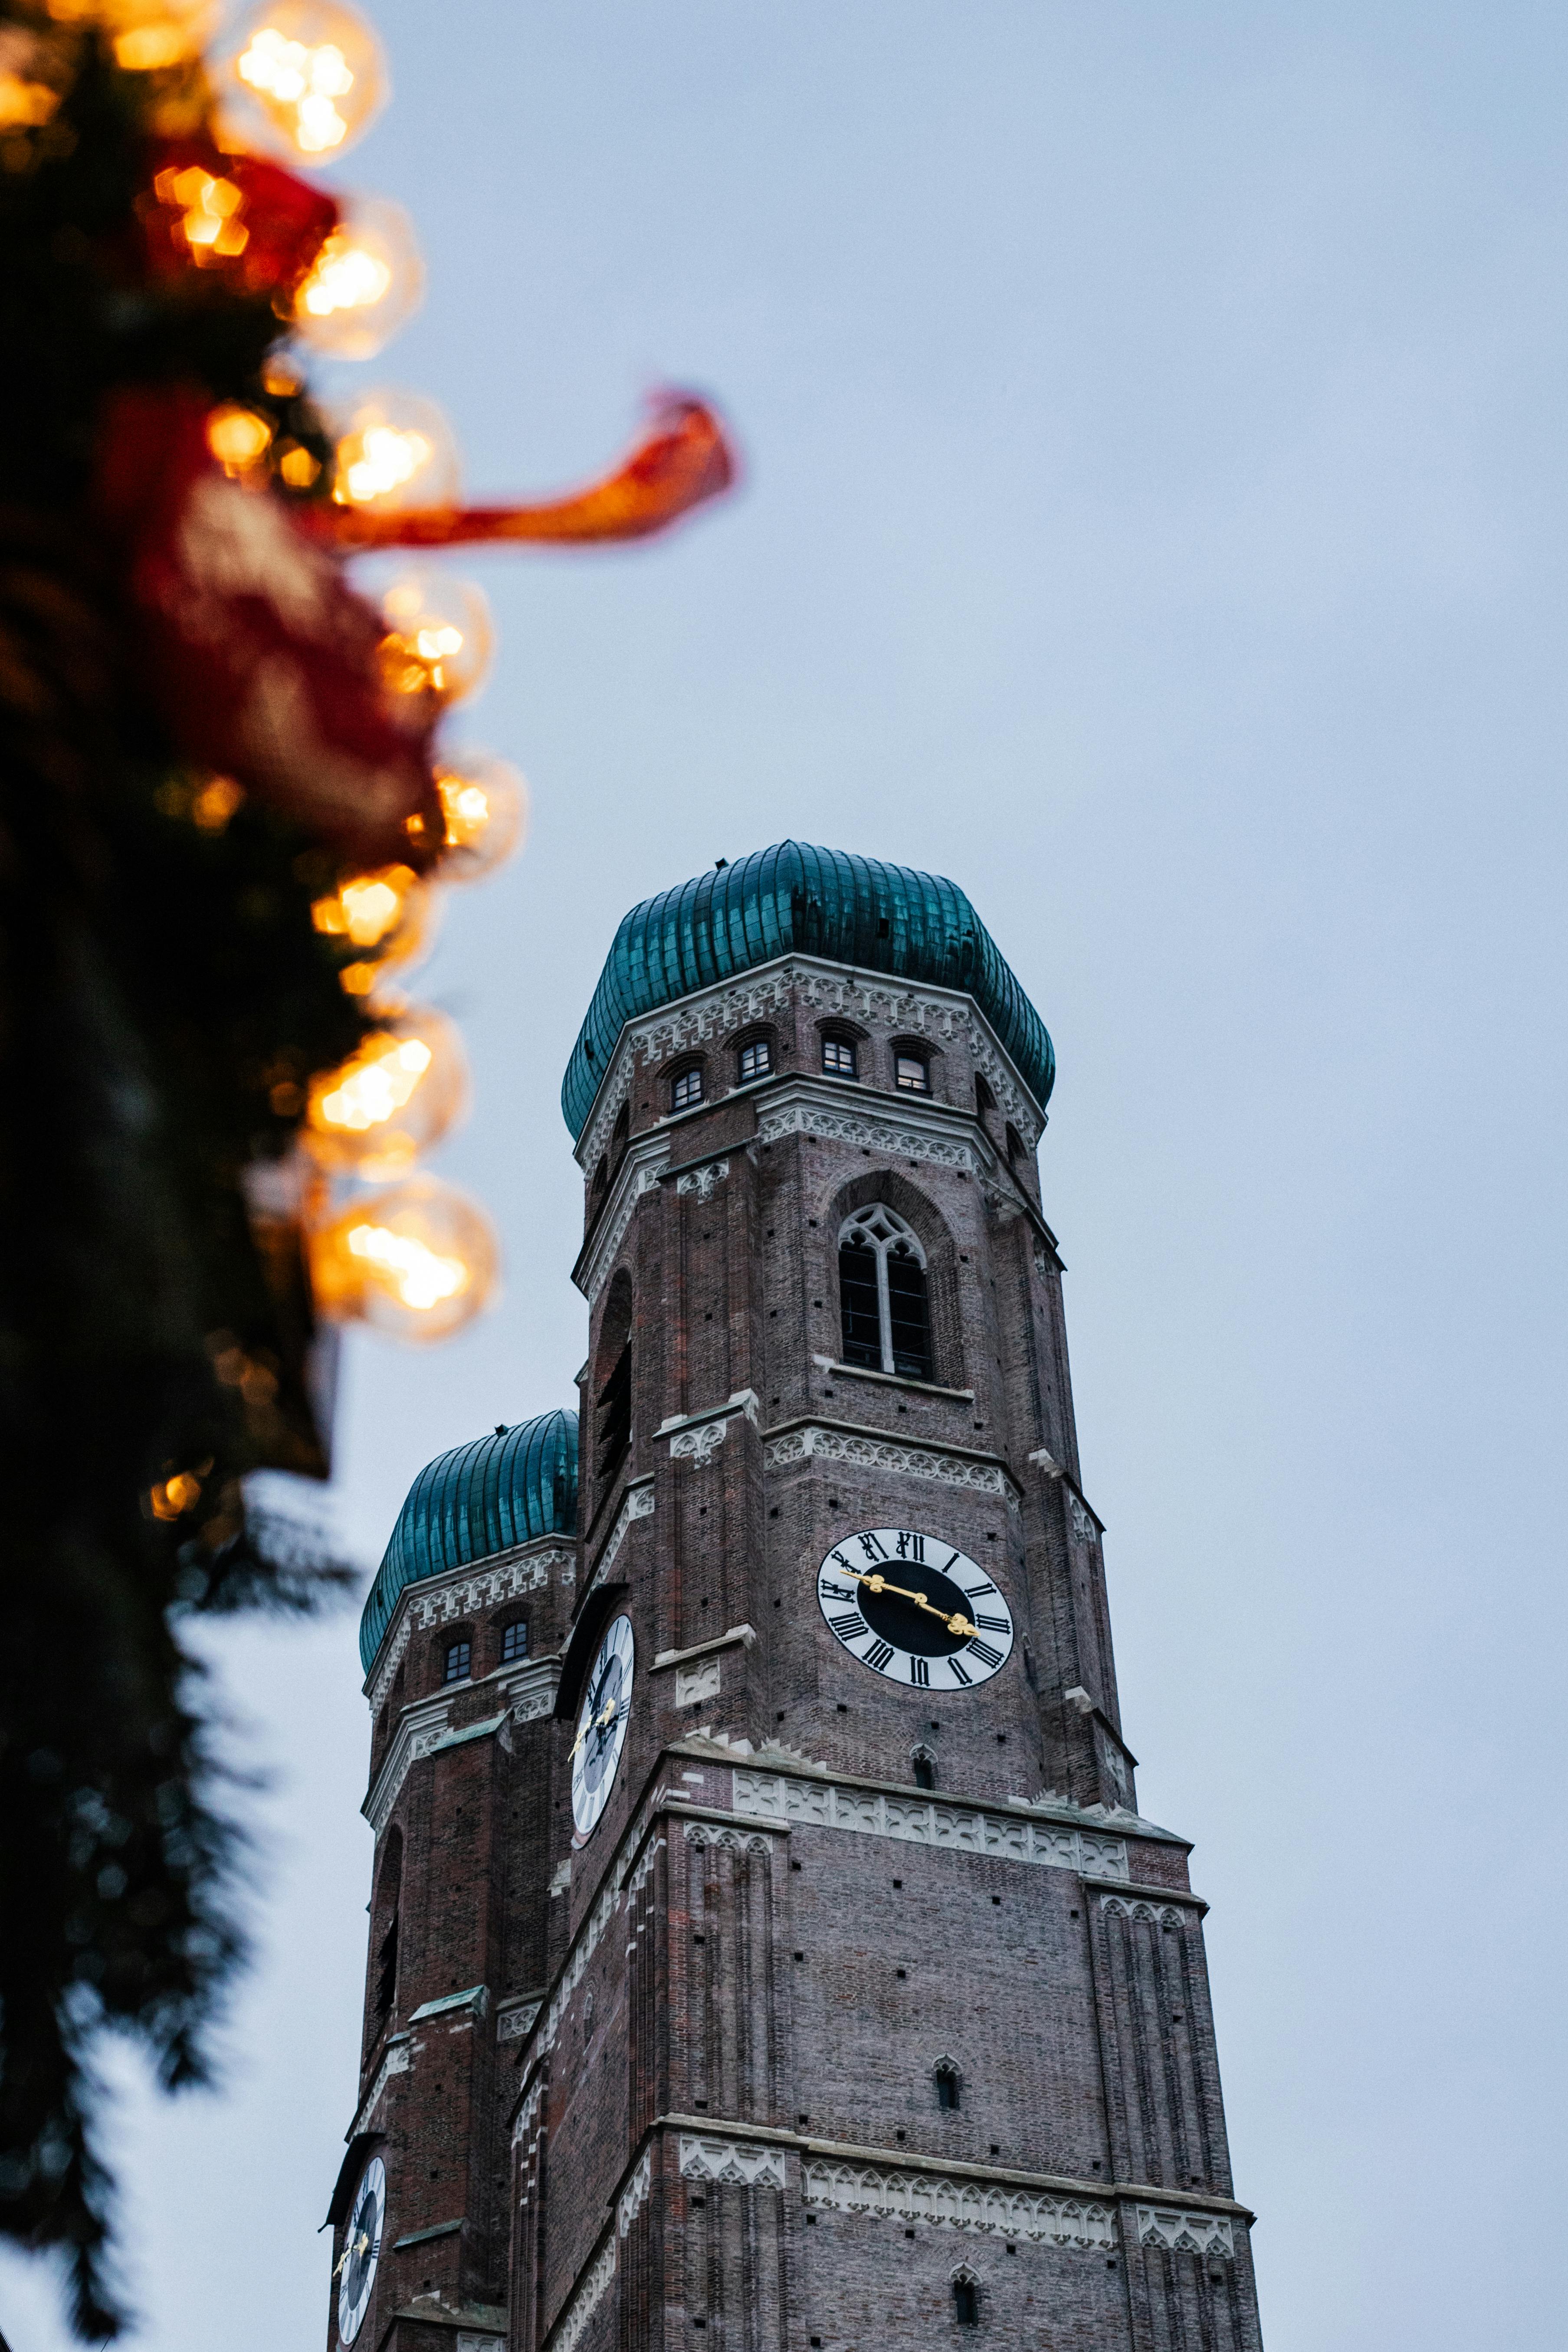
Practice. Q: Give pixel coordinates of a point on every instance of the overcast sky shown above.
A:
(1154, 520)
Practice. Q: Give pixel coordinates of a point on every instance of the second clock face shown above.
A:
(912, 1608)
(362, 2250)
(601, 1726)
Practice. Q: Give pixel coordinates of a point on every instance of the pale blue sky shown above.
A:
(1154, 520)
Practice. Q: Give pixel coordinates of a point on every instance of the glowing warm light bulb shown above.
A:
(396, 450)
(438, 636)
(388, 912)
(417, 1260)
(237, 437)
(149, 36)
(209, 207)
(396, 1095)
(484, 802)
(310, 73)
(365, 283)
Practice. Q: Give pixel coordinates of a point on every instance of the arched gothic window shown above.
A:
(949, 2084)
(966, 2297)
(883, 1294)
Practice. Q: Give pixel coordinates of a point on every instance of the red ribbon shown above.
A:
(683, 461)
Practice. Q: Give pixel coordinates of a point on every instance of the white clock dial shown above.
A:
(601, 1726)
(913, 1609)
(362, 2250)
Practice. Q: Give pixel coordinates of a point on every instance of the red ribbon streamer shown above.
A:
(682, 461)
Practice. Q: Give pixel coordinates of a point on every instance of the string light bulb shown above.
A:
(484, 801)
(440, 636)
(396, 450)
(365, 283)
(397, 1094)
(308, 75)
(417, 1260)
(238, 438)
(148, 36)
(388, 909)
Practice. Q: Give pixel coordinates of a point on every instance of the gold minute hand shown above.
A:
(957, 1624)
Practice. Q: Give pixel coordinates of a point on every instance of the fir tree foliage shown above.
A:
(164, 998)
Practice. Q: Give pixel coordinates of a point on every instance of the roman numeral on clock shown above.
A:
(977, 1592)
(920, 1672)
(993, 1625)
(958, 1674)
(849, 1625)
(837, 1592)
(879, 1654)
(985, 1653)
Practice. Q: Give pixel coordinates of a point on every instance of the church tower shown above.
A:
(767, 1952)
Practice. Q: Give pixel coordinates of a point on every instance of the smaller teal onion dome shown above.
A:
(466, 1506)
(793, 899)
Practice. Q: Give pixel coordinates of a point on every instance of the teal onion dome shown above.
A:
(466, 1506)
(796, 899)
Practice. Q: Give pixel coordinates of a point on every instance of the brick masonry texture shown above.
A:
(694, 2092)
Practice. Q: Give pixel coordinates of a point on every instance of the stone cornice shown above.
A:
(904, 2160)
(879, 1001)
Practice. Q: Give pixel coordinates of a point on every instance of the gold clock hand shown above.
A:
(957, 1624)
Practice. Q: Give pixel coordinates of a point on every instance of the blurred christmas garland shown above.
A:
(221, 811)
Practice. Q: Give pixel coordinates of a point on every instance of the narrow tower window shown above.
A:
(883, 1294)
(458, 1657)
(838, 1057)
(514, 1642)
(911, 1074)
(686, 1088)
(947, 2084)
(967, 2299)
(925, 1768)
(756, 1060)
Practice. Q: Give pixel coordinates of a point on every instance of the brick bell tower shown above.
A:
(766, 1949)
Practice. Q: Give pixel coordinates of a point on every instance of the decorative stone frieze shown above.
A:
(917, 1821)
(742, 2164)
(442, 1600)
(1185, 2234)
(591, 2290)
(634, 2196)
(901, 1456)
(637, 1503)
(396, 2059)
(702, 1182)
(946, 2202)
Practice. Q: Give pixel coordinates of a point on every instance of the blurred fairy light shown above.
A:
(397, 1094)
(417, 1260)
(314, 72)
(396, 450)
(439, 636)
(484, 800)
(209, 208)
(366, 282)
(148, 36)
(238, 438)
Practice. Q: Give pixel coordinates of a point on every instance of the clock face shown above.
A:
(915, 1611)
(362, 2250)
(601, 1726)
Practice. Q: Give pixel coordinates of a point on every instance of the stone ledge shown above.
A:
(744, 1633)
